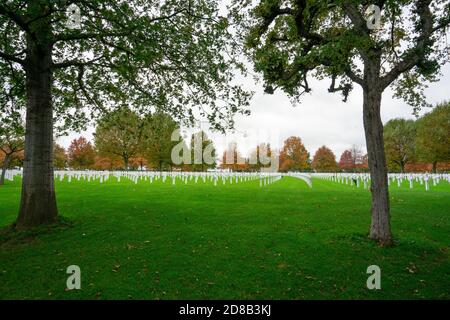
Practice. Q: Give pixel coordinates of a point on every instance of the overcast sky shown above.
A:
(321, 119)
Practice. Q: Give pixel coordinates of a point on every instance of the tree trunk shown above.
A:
(4, 168)
(434, 166)
(125, 161)
(380, 229)
(38, 202)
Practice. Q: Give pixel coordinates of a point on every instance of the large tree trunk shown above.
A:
(380, 229)
(4, 168)
(38, 202)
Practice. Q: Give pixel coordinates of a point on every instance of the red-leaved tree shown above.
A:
(81, 154)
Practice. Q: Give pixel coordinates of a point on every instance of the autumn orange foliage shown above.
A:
(294, 156)
(81, 154)
(324, 160)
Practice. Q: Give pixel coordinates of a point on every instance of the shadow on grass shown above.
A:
(11, 237)
(361, 241)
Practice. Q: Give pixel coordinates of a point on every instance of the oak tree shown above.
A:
(81, 154)
(119, 133)
(399, 44)
(169, 55)
(294, 156)
(324, 160)
(157, 141)
(399, 142)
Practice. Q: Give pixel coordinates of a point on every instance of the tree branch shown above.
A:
(304, 29)
(346, 88)
(414, 55)
(10, 57)
(75, 63)
(353, 76)
(274, 12)
(356, 17)
(87, 36)
(129, 29)
(19, 20)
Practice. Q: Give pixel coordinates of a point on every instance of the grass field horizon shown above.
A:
(232, 241)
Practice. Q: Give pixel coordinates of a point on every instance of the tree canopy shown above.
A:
(203, 152)
(294, 156)
(157, 141)
(290, 41)
(119, 133)
(60, 160)
(133, 53)
(324, 160)
(433, 135)
(399, 142)
(81, 154)
(353, 159)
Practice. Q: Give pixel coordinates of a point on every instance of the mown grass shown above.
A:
(238, 241)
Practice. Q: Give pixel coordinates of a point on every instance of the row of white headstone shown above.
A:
(265, 178)
(363, 179)
(218, 177)
(10, 174)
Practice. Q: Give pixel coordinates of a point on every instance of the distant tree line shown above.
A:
(421, 145)
(12, 142)
(123, 140)
(411, 146)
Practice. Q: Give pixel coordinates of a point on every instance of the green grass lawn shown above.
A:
(238, 241)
